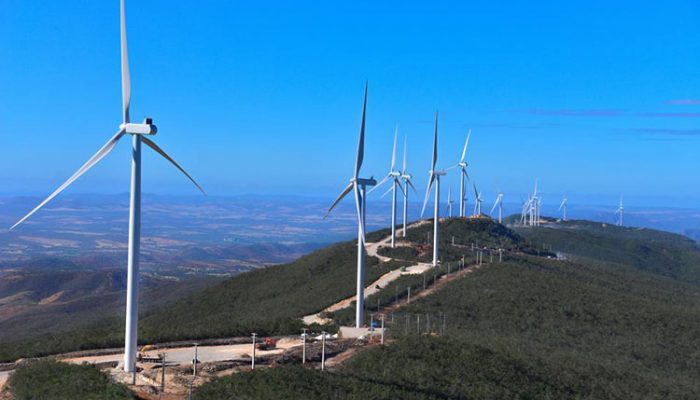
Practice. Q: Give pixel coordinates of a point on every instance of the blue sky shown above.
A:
(594, 99)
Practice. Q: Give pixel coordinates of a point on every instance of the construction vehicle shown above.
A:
(142, 355)
(266, 344)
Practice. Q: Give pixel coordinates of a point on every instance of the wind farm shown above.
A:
(273, 284)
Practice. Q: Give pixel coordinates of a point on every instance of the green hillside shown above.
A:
(59, 381)
(532, 328)
(267, 301)
(659, 252)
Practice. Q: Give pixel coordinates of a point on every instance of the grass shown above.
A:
(599, 325)
(58, 381)
(268, 301)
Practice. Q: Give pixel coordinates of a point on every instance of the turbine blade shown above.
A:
(361, 143)
(476, 192)
(451, 168)
(342, 194)
(160, 151)
(435, 137)
(126, 78)
(400, 186)
(412, 187)
(360, 220)
(464, 152)
(405, 140)
(386, 178)
(495, 204)
(387, 191)
(427, 193)
(393, 152)
(101, 153)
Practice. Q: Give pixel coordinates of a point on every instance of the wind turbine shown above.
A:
(358, 186)
(463, 177)
(406, 178)
(395, 176)
(477, 202)
(562, 207)
(499, 204)
(449, 201)
(620, 210)
(434, 178)
(139, 134)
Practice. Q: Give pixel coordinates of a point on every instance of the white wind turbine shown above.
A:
(499, 204)
(620, 211)
(477, 202)
(463, 178)
(434, 178)
(449, 201)
(139, 134)
(406, 178)
(395, 176)
(358, 185)
(562, 208)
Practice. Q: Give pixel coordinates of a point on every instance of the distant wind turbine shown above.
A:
(434, 178)
(406, 178)
(358, 185)
(463, 177)
(562, 208)
(477, 202)
(619, 212)
(449, 201)
(395, 177)
(499, 204)
(139, 134)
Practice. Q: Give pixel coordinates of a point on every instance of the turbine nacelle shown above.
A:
(145, 128)
(364, 181)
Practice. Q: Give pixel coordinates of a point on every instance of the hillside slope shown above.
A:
(531, 328)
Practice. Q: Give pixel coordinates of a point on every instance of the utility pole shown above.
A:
(194, 362)
(418, 323)
(323, 350)
(303, 346)
(500, 255)
(162, 373)
(408, 301)
(252, 359)
(382, 328)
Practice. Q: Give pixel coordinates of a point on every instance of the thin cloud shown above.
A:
(684, 102)
(565, 112)
(664, 131)
(669, 114)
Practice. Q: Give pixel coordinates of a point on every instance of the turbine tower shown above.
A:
(358, 186)
(139, 134)
(449, 201)
(406, 178)
(499, 204)
(477, 202)
(562, 208)
(434, 178)
(463, 178)
(620, 211)
(395, 177)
